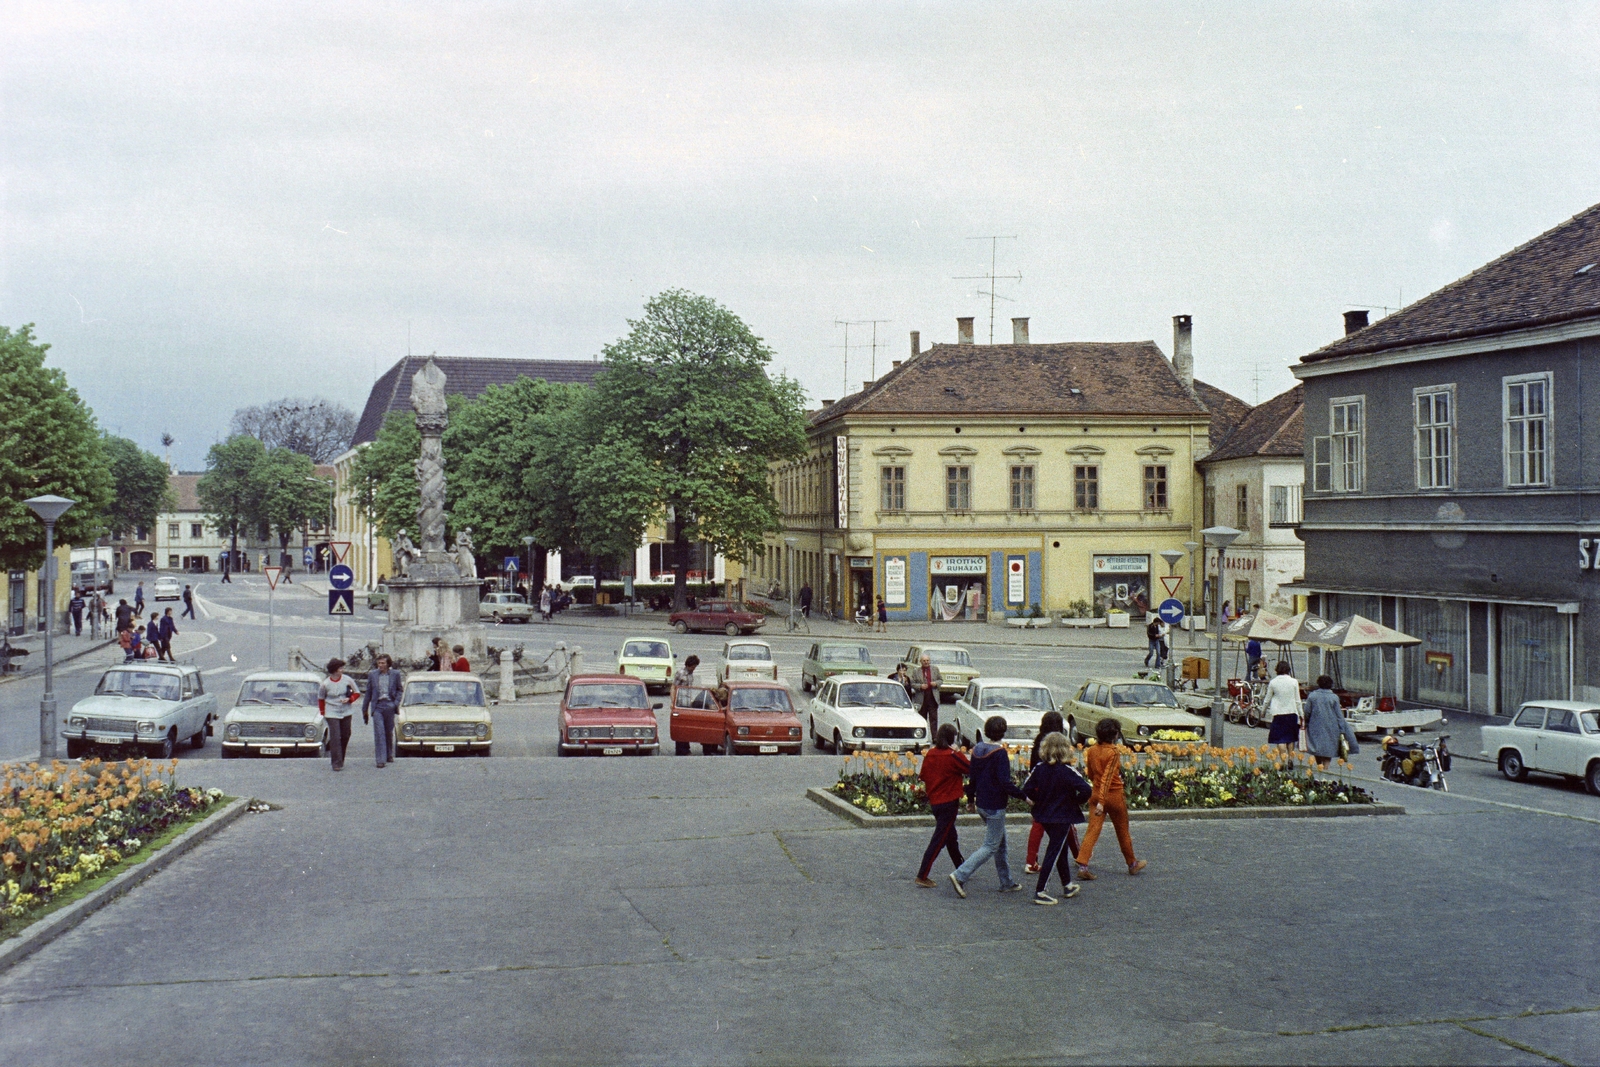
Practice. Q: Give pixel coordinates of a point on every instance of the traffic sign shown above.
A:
(272, 574)
(1172, 582)
(340, 576)
(340, 550)
(341, 602)
(511, 563)
(1171, 612)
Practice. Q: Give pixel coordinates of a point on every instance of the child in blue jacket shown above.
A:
(1056, 790)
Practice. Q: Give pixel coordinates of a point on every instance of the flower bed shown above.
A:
(1161, 776)
(61, 825)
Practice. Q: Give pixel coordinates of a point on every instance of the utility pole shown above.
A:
(994, 252)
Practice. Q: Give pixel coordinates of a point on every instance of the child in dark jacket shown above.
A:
(990, 790)
(1056, 791)
(1049, 723)
(943, 774)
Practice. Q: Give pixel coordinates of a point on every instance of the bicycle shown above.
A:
(797, 621)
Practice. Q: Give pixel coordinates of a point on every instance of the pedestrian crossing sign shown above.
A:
(341, 602)
(272, 574)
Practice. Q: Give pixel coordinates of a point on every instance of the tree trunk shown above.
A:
(680, 568)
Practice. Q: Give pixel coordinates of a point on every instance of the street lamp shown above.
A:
(49, 509)
(1191, 546)
(1218, 537)
(791, 541)
(527, 548)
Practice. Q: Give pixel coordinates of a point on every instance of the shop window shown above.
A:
(1533, 655)
(172, 562)
(894, 488)
(1436, 416)
(1086, 488)
(1241, 596)
(1286, 507)
(1527, 416)
(958, 488)
(1022, 488)
(1241, 515)
(1347, 449)
(197, 530)
(1155, 487)
(1440, 678)
(172, 531)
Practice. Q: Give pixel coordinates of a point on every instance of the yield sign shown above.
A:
(1172, 581)
(272, 576)
(340, 550)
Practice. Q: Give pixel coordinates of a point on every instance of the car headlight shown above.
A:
(922, 731)
(145, 728)
(232, 733)
(77, 720)
(744, 731)
(1199, 731)
(311, 731)
(859, 731)
(576, 732)
(483, 730)
(1144, 731)
(405, 731)
(794, 731)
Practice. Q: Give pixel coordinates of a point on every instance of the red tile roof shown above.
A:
(1275, 428)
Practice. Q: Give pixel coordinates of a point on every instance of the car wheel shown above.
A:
(709, 750)
(681, 627)
(483, 753)
(839, 748)
(805, 684)
(1512, 767)
(682, 748)
(199, 739)
(164, 749)
(1591, 780)
(228, 753)
(727, 745)
(731, 630)
(75, 748)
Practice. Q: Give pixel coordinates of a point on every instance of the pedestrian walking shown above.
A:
(188, 602)
(1328, 732)
(75, 608)
(169, 630)
(943, 773)
(685, 674)
(1049, 723)
(152, 636)
(1227, 611)
(1252, 655)
(544, 603)
(128, 641)
(1108, 798)
(379, 706)
(925, 683)
(1283, 706)
(459, 663)
(1056, 790)
(1165, 649)
(125, 616)
(805, 600)
(1152, 636)
(988, 791)
(883, 617)
(334, 704)
(138, 600)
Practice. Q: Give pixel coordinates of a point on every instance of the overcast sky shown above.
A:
(205, 210)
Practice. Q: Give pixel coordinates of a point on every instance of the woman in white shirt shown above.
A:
(1283, 704)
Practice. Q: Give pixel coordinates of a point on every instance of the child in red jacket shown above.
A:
(943, 773)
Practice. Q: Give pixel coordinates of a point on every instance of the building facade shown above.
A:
(975, 482)
(1450, 475)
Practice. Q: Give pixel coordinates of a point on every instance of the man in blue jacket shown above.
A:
(989, 788)
(169, 630)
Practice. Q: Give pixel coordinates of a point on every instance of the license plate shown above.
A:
(271, 750)
(769, 749)
(894, 748)
(444, 748)
(615, 750)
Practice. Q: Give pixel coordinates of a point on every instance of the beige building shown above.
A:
(21, 597)
(974, 482)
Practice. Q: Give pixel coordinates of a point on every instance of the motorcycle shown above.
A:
(1416, 763)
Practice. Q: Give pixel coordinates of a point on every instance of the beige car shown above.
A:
(956, 671)
(744, 660)
(443, 713)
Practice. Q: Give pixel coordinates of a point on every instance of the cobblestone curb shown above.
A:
(34, 672)
(36, 936)
(846, 810)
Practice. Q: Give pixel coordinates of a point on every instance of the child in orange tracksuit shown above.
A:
(1105, 771)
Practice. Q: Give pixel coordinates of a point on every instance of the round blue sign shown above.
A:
(340, 576)
(1171, 611)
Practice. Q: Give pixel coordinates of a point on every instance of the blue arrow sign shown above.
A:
(1171, 612)
(340, 576)
(341, 602)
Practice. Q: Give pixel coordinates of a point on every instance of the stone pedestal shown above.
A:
(433, 600)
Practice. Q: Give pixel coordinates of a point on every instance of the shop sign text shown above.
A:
(1122, 564)
(958, 565)
(894, 580)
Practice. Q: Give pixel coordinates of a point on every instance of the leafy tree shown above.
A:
(290, 495)
(49, 443)
(228, 490)
(317, 428)
(684, 421)
(140, 483)
(384, 475)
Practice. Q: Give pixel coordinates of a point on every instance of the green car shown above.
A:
(378, 599)
(1148, 713)
(827, 658)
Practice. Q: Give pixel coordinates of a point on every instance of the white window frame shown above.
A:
(958, 487)
(1322, 464)
(891, 479)
(1348, 453)
(1434, 471)
(1544, 419)
(1023, 486)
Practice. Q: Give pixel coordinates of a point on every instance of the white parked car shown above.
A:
(1552, 736)
(649, 658)
(747, 661)
(443, 711)
(148, 707)
(275, 714)
(857, 711)
(1022, 702)
(167, 588)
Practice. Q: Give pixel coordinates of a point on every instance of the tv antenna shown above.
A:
(994, 252)
(847, 323)
(1255, 382)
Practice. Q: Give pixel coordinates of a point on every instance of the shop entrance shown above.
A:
(861, 589)
(1121, 583)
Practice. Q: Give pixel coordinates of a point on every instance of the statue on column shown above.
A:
(465, 562)
(433, 415)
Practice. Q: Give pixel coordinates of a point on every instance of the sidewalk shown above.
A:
(68, 647)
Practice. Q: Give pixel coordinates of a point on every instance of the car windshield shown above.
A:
(510, 598)
(873, 695)
(755, 652)
(845, 654)
(1032, 698)
(760, 700)
(646, 650)
(139, 684)
(1591, 721)
(607, 695)
(301, 694)
(465, 693)
(1142, 696)
(948, 657)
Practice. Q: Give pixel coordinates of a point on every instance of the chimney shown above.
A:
(1183, 349)
(894, 363)
(1019, 331)
(865, 386)
(964, 331)
(827, 403)
(1353, 321)
(916, 343)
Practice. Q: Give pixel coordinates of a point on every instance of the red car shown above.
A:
(729, 616)
(608, 715)
(757, 718)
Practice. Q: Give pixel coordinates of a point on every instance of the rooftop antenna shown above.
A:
(994, 252)
(1255, 382)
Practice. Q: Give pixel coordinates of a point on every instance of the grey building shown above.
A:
(1451, 455)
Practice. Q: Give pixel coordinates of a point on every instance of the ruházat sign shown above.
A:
(958, 565)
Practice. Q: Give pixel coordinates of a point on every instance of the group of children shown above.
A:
(1054, 787)
(153, 641)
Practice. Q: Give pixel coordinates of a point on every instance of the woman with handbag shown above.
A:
(1283, 705)
(1328, 732)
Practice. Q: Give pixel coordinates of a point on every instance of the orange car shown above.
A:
(757, 718)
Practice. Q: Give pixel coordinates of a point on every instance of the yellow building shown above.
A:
(976, 481)
(20, 607)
